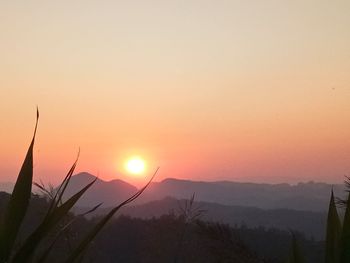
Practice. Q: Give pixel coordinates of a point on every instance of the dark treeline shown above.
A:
(172, 238)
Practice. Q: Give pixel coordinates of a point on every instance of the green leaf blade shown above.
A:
(18, 203)
(50, 220)
(345, 238)
(295, 256)
(76, 253)
(333, 235)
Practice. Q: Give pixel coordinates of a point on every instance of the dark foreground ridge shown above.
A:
(175, 235)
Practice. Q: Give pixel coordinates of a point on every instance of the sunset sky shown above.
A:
(253, 91)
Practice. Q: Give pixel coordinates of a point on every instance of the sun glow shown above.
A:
(135, 165)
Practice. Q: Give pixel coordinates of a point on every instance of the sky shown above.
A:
(254, 91)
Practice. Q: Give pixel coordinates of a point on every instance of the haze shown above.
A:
(207, 90)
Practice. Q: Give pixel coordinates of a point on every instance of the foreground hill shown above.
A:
(169, 238)
(303, 196)
(311, 224)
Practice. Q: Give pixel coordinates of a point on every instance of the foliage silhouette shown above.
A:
(337, 245)
(56, 212)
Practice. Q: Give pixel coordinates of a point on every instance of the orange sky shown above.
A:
(207, 90)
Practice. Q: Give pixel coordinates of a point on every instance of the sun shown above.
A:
(135, 165)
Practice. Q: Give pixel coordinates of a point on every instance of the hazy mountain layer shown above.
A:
(6, 187)
(303, 196)
(312, 224)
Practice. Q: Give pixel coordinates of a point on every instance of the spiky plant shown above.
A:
(337, 248)
(295, 255)
(345, 236)
(337, 245)
(333, 234)
(57, 210)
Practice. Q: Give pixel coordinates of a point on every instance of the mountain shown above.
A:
(6, 187)
(301, 207)
(127, 239)
(309, 196)
(109, 193)
(311, 224)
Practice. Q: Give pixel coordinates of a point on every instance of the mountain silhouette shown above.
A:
(268, 205)
(312, 224)
(110, 193)
(6, 187)
(309, 196)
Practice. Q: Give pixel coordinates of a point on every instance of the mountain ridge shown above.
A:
(313, 224)
(309, 196)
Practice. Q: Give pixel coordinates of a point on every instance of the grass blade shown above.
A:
(59, 194)
(333, 235)
(46, 253)
(29, 246)
(18, 203)
(295, 255)
(92, 234)
(345, 239)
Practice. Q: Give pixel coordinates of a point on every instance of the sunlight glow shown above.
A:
(135, 165)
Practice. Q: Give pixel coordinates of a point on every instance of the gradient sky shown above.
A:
(207, 90)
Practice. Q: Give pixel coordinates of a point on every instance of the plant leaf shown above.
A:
(18, 203)
(345, 238)
(333, 235)
(61, 231)
(50, 220)
(295, 255)
(91, 235)
(57, 199)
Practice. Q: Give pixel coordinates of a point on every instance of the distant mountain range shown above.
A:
(303, 196)
(6, 187)
(309, 196)
(300, 207)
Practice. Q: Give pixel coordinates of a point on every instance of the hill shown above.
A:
(311, 224)
(110, 193)
(309, 196)
(6, 187)
(165, 238)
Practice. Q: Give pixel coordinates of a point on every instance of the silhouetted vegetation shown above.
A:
(56, 219)
(126, 239)
(37, 228)
(337, 244)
